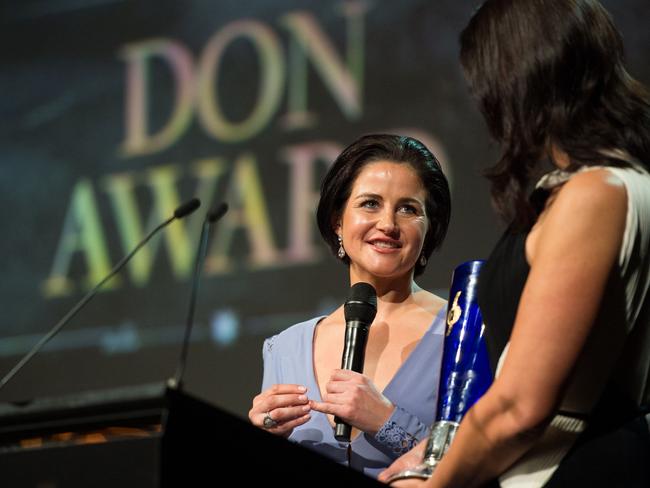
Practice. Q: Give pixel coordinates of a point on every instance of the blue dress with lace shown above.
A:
(288, 358)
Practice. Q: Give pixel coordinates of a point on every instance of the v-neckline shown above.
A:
(386, 389)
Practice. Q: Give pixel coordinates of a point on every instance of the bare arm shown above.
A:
(576, 248)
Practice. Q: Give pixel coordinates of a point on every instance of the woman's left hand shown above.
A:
(355, 399)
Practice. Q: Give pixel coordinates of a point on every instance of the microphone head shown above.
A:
(187, 208)
(361, 304)
(216, 213)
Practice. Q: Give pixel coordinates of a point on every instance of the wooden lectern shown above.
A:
(150, 436)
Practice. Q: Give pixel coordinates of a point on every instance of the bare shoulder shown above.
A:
(586, 215)
(591, 205)
(597, 198)
(595, 187)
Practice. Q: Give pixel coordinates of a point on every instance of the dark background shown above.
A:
(62, 124)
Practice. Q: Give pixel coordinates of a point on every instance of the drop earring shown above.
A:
(423, 260)
(341, 251)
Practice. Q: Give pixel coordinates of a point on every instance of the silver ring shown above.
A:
(269, 423)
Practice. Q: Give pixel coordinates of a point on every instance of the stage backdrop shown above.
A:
(112, 113)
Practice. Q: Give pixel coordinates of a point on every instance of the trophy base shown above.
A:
(422, 471)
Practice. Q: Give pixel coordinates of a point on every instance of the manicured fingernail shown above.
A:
(302, 398)
(302, 388)
(306, 408)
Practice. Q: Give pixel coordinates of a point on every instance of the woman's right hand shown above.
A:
(408, 460)
(286, 405)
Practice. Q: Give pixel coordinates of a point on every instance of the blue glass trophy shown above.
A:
(465, 372)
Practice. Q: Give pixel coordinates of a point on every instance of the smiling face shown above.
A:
(384, 222)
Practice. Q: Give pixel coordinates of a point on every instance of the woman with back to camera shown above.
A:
(384, 208)
(564, 294)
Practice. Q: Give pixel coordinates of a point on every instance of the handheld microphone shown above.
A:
(182, 211)
(359, 309)
(212, 216)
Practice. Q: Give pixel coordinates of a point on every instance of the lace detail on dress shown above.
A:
(269, 343)
(558, 177)
(396, 438)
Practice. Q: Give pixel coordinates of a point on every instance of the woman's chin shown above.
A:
(383, 272)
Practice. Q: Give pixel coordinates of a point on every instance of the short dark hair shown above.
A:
(337, 185)
(551, 73)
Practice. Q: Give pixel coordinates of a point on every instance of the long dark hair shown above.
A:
(337, 185)
(551, 73)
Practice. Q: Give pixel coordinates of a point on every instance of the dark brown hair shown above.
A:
(551, 73)
(337, 185)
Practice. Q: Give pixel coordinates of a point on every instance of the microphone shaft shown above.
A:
(176, 382)
(87, 297)
(354, 352)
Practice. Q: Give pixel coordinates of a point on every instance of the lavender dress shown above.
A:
(288, 358)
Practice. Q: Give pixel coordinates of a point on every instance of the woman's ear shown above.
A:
(336, 226)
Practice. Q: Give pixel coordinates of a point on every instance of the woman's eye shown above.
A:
(410, 209)
(370, 203)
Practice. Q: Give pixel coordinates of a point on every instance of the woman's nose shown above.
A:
(387, 223)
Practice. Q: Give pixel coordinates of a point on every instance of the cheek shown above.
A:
(420, 228)
(357, 222)
(420, 237)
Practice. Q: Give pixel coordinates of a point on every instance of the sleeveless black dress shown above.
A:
(614, 450)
